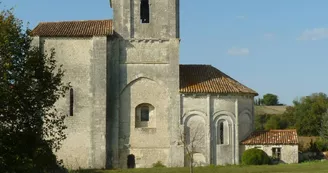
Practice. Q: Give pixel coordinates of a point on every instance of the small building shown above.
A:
(281, 145)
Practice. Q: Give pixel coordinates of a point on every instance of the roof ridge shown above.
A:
(282, 130)
(195, 65)
(82, 28)
(272, 130)
(90, 20)
(272, 136)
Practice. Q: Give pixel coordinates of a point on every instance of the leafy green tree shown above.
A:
(267, 122)
(276, 122)
(324, 127)
(270, 99)
(258, 101)
(272, 123)
(30, 84)
(260, 121)
(306, 114)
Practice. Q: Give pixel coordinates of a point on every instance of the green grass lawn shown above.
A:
(310, 167)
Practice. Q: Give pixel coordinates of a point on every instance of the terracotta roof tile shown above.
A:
(208, 79)
(272, 137)
(86, 28)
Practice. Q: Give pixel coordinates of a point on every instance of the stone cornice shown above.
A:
(147, 40)
(200, 95)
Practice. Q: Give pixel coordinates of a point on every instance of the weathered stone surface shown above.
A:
(84, 60)
(211, 110)
(114, 76)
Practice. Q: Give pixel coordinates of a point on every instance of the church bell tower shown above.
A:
(143, 75)
(146, 18)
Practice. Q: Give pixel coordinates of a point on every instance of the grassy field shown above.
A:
(271, 110)
(310, 167)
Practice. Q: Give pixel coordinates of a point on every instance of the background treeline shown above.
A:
(268, 100)
(308, 115)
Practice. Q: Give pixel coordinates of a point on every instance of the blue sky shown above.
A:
(275, 46)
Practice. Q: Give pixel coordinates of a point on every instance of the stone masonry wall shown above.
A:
(84, 60)
(213, 108)
(148, 73)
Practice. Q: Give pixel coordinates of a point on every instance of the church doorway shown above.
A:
(131, 162)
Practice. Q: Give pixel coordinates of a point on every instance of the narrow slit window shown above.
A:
(221, 133)
(144, 11)
(71, 101)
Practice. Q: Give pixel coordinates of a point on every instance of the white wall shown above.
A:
(84, 62)
(289, 153)
(148, 144)
(211, 109)
(149, 73)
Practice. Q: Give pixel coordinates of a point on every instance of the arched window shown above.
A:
(145, 116)
(223, 132)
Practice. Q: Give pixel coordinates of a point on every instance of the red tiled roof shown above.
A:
(86, 28)
(272, 137)
(208, 79)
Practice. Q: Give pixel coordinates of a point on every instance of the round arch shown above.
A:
(220, 115)
(246, 123)
(186, 116)
(246, 112)
(140, 77)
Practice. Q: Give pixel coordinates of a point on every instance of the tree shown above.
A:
(306, 114)
(30, 83)
(258, 101)
(324, 127)
(260, 121)
(190, 139)
(270, 99)
(276, 122)
(272, 123)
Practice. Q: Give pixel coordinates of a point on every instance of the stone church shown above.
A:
(132, 103)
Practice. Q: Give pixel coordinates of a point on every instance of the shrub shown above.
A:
(158, 164)
(321, 145)
(318, 145)
(255, 156)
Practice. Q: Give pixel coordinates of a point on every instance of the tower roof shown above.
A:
(208, 79)
(86, 28)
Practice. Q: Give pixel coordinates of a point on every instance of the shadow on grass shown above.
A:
(87, 171)
(309, 167)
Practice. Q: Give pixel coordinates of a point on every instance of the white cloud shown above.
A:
(241, 17)
(268, 36)
(314, 34)
(238, 51)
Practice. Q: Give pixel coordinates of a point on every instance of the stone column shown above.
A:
(237, 132)
(208, 130)
(98, 88)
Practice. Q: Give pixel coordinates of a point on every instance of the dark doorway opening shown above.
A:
(131, 162)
